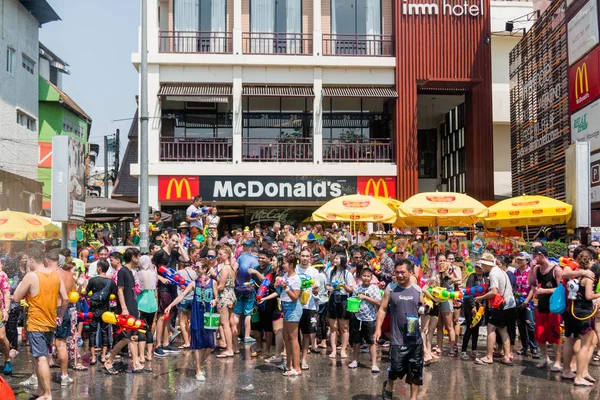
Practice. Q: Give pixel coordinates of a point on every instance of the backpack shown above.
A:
(101, 297)
(558, 300)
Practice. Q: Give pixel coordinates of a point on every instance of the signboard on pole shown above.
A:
(68, 179)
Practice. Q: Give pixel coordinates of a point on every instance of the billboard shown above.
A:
(539, 106)
(68, 179)
(585, 126)
(584, 80)
(582, 31)
(178, 188)
(380, 186)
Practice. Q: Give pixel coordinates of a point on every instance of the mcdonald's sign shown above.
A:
(178, 188)
(382, 186)
(584, 80)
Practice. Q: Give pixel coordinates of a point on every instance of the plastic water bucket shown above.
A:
(211, 320)
(353, 304)
(304, 297)
(255, 316)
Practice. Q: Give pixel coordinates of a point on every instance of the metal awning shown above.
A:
(279, 91)
(188, 92)
(339, 91)
(450, 86)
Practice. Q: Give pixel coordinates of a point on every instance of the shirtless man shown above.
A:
(43, 288)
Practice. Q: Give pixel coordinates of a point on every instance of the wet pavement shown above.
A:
(244, 377)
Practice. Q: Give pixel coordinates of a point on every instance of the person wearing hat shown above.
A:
(184, 233)
(546, 276)
(524, 293)
(386, 264)
(501, 316)
(470, 310)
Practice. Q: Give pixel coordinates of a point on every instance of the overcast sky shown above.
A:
(97, 38)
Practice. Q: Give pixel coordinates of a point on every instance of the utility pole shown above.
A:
(106, 166)
(144, 194)
(117, 154)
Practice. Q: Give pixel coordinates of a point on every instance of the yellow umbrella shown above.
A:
(441, 209)
(355, 208)
(394, 205)
(16, 225)
(528, 210)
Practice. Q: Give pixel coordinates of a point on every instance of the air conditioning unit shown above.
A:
(200, 105)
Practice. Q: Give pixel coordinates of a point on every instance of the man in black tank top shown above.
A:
(546, 276)
(406, 350)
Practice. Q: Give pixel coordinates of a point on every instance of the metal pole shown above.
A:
(106, 166)
(117, 154)
(144, 217)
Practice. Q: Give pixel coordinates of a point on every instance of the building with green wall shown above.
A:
(58, 115)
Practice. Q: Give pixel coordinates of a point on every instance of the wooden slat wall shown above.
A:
(387, 17)
(326, 16)
(540, 170)
(445, 48)
(229, 16)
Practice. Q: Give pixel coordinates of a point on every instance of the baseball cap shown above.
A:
(231, 242)
(248, 243)
(540, 250)
(488, 259)
(342, 239)
(380, 245)
(524, 255)
(268, 239)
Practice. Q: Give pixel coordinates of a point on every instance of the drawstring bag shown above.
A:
(558, 300)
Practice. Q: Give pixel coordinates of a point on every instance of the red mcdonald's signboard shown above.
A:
(584, 80)
(178, 188)
(382, 186)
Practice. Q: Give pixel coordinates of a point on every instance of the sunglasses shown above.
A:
(210, 257)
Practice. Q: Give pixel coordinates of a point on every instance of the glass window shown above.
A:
(28, 64)
(10, 54)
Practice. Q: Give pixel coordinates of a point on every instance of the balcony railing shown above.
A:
(195, 149)
(277, 43)
(358, 45)
(357, 150)
(277, 149)
(195, 42)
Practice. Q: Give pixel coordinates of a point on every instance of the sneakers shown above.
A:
(201, 376)
(31, 381)
(375, 369)
(159, 352)
(7, 368)
(353, 364)
(171, 349)
(274, 360)
(249, 340)
(65, 380)
(464, 356)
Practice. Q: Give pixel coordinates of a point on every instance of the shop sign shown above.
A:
(585, 125)
(445, 7)
(380, 186)
(270, 215)
(178, 188)
(584, 82)
(582, 31)
(275, 188)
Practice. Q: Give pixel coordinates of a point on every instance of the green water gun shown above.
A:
(306, 284)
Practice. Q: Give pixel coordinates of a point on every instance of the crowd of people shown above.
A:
(288, 294)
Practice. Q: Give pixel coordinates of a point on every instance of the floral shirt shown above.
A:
(367, 311)
(522, 287)
(4, 287)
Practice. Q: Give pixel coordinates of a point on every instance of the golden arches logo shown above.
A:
(581, 78)
(376, 185)
(179, 189)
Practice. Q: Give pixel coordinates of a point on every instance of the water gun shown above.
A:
(337, 285)
(203, 211)
(173, 277)
(568, 262)
(24, 303)
(124, 323)
(468, 267)
(477, 317)
(263, 289)
(597, 288)
(519, 298)
(73, 297)
(474, 290)
(279, 280)
(86, 318)
(306, 283)
(444, 294)
(250, 283)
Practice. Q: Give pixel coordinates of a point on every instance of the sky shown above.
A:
(96, 39)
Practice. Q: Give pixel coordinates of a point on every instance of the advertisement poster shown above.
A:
(585, 125)
(582, 31)
(68, 179)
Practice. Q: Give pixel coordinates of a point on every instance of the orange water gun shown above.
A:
(477, 317)
(124, 323)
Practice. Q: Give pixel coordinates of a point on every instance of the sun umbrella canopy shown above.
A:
(103, 209)
(357, 208)
(441, 209)
(16, 225)
(528, 211)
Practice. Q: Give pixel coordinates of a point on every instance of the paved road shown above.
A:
(244, 377)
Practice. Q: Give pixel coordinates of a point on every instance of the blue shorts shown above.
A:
(244, 303)
(39, 342)
(185, 305)
(292, 311)
(64, 330)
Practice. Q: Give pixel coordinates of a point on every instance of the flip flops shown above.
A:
(480, 361)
